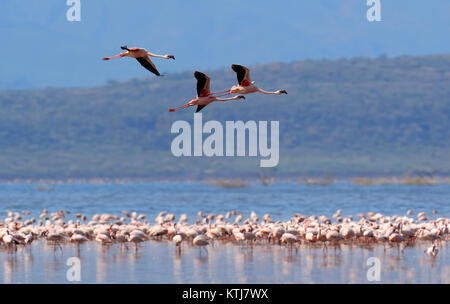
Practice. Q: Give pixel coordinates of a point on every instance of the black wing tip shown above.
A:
(235, 67)
(199, 108)
(148, 66)
(199, 74)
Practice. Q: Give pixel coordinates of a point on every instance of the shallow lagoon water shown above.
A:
(157, 262)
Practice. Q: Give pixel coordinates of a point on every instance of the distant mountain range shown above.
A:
(40, 48)
(382, 116)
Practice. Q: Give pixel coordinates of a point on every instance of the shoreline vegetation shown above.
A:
(230, 183)
(356, 117)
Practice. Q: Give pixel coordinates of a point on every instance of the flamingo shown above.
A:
(246, 86)
(139, 234)
(238, 218)
(10, 241)
(177, 239)
(432, 251)
(239, 236)
(288, 238)
(396, 238)
(347, 233)
(158, 231)
(334, 237)
(136, 239)
(142, 56)
(191, 233)
(311, 237)
(121, 237)
(78, 238)
(204, 96)
(103, 239)
(56, 239)
(28, 239)
(200, 241)
(277, 232)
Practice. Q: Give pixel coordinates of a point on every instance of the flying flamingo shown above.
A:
(204, 96)
(246, 86)
(142, 56)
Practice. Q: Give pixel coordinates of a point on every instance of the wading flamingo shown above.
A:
(142, 56)
(10, 241)
(204, 96)
(200, 241)
(246, 86)
(136, 239)
(177, 239)
(432, 251)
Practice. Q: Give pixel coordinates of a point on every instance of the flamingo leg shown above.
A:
(182, 107)
(114, 57)
(220, 92)
(225, 99)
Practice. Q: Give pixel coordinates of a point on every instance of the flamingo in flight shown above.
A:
(204, 95)
(142, 56)
(246, 86)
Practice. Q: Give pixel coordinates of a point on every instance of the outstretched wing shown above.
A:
(202, 84)
(243, 74)
(148, 64)
(199, 108)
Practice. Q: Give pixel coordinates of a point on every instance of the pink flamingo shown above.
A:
(142, 56)
(246, 86)
(204, 96)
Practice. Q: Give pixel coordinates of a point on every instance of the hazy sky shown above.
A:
(41, 48)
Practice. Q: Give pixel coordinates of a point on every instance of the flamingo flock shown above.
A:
(131, 228)
(204, 95)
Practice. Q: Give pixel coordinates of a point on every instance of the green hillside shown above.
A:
(346, 117)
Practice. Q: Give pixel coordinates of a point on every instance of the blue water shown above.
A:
(281, 200)
(157, 262)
